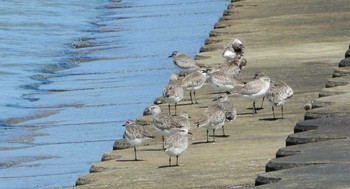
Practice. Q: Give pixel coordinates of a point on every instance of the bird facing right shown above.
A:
(228, 107)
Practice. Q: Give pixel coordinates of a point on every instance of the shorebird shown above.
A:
(212, 119)
(222, 81)
(254, 89)
(173, 92)
(231, 69)
(193, 82)
(278, 94)
(176, 144)
(184, 62)
(183, 120)
(234, 66)
(228, 108)
(136, 135)
(256, 76)
(232, 49)
(164, 123)
(308, 105)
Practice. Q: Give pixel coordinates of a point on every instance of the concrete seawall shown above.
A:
(299, 42)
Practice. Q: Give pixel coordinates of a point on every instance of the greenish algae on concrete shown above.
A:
(295, 41)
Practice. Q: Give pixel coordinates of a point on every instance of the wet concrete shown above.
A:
(286, 40)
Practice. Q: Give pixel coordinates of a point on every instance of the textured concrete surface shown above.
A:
(317, 154)
(313, 176)
(327, 152)
(322, 129)
(298, 42)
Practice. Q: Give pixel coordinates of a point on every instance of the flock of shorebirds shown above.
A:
(175, 128)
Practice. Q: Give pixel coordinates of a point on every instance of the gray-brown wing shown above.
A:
(164, 121)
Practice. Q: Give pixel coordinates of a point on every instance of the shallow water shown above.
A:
(73, 72)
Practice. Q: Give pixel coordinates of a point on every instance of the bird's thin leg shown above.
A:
(194, 95)
(135, 153)
(282, 112)
(254, 110)
(261, 107)
(163, 143)
(169, 108)
(177, 160)
(169, 160)
(223, 130)
(175, 107)
(207, 135)
(191, 97)
(273, 112)
(213, 135)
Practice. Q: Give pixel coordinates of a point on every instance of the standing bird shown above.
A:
(254, 89)
(231, 68)
(278, 94)
(193, 82)
(176, 144)
(234, 66)
(136, 135)
(183, 120)
(232, 49)
(308, 105)
(256, 76)
(212, 119)
(164, 123)
(228, 107)
(222, 81)
(173, 92)
(184, 62)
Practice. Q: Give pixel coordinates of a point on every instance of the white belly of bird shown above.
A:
(174, 151)
(260, 94)
(229, 54)
(168, 132)
(221, 86)
(138, 141)
(174, 99)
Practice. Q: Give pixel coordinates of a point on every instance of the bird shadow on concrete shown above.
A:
(128, 160)
(270, 119)
(221, 136)
(256, 108)
(151, 150)
(189, 104)
(167, 166)
(202, 142)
